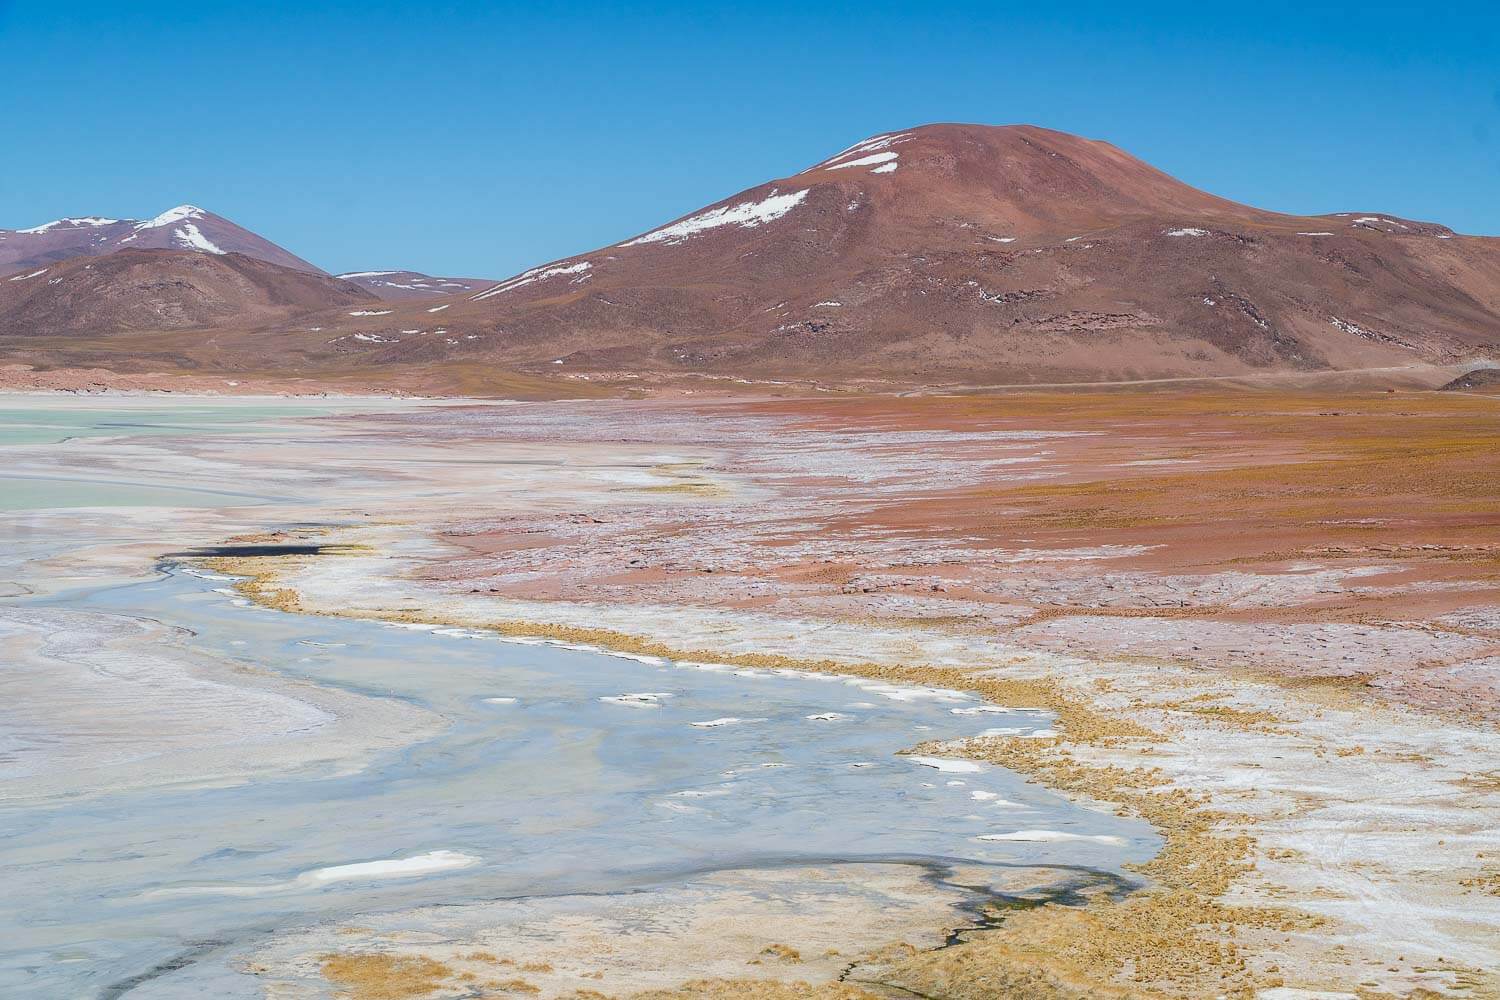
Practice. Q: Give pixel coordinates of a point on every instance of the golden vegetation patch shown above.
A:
(384, 977)
(1238, 717)
(749, 989)
(778, 953)
(694, 488)
(1489, 883)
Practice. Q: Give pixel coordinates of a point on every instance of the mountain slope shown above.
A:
(162, 290)
(976, 254)
(185, 227)
(397, 285)
(945, 254)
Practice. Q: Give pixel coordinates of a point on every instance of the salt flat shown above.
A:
(1187, 608)
(182, 764)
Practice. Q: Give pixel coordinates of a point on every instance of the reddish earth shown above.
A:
(1289, 534)
(947, 254)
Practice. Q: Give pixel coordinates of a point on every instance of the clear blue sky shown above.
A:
(478, 139)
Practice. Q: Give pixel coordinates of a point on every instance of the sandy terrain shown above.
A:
(1268, 623)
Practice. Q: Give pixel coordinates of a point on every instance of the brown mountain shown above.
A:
(975, 254)
(943, 254)
(162, 290)
(1479, 380)
(185, 227)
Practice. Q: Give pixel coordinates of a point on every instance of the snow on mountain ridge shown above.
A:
(747, 215)
(874, 144)
(87, 221)
(183, 227)
(179, 214)
(527, 277)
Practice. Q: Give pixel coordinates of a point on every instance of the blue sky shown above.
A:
(478, 139)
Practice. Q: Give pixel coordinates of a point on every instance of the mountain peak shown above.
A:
(182, 227)
(938, 251)
(181, 213)
(1023, 176)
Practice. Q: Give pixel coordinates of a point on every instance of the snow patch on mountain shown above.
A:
(533, 275)
(747, 215)
(873, 144)
(865, 161)
(191, 238)
(82, 223)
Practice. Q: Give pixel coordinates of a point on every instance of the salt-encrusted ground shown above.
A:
(98, 703)
(1244, 631)
(1269, 624)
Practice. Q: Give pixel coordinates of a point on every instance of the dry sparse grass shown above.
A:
(384, 977)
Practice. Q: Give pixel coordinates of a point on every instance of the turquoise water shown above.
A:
(26, 424)
(23, 422)
(28, 493)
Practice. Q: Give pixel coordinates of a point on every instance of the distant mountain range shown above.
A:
(942, 254)
(185, 227)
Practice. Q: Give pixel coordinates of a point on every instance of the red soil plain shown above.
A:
(1247, 513)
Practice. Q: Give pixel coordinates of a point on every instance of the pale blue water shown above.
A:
(24, 422)
(560, 792)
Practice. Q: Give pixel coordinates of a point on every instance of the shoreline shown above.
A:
(1183, 933)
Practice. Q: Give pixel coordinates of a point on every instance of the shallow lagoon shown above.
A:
(28, 420)
(558, 770)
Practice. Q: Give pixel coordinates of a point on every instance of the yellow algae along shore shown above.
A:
(1226, 912)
